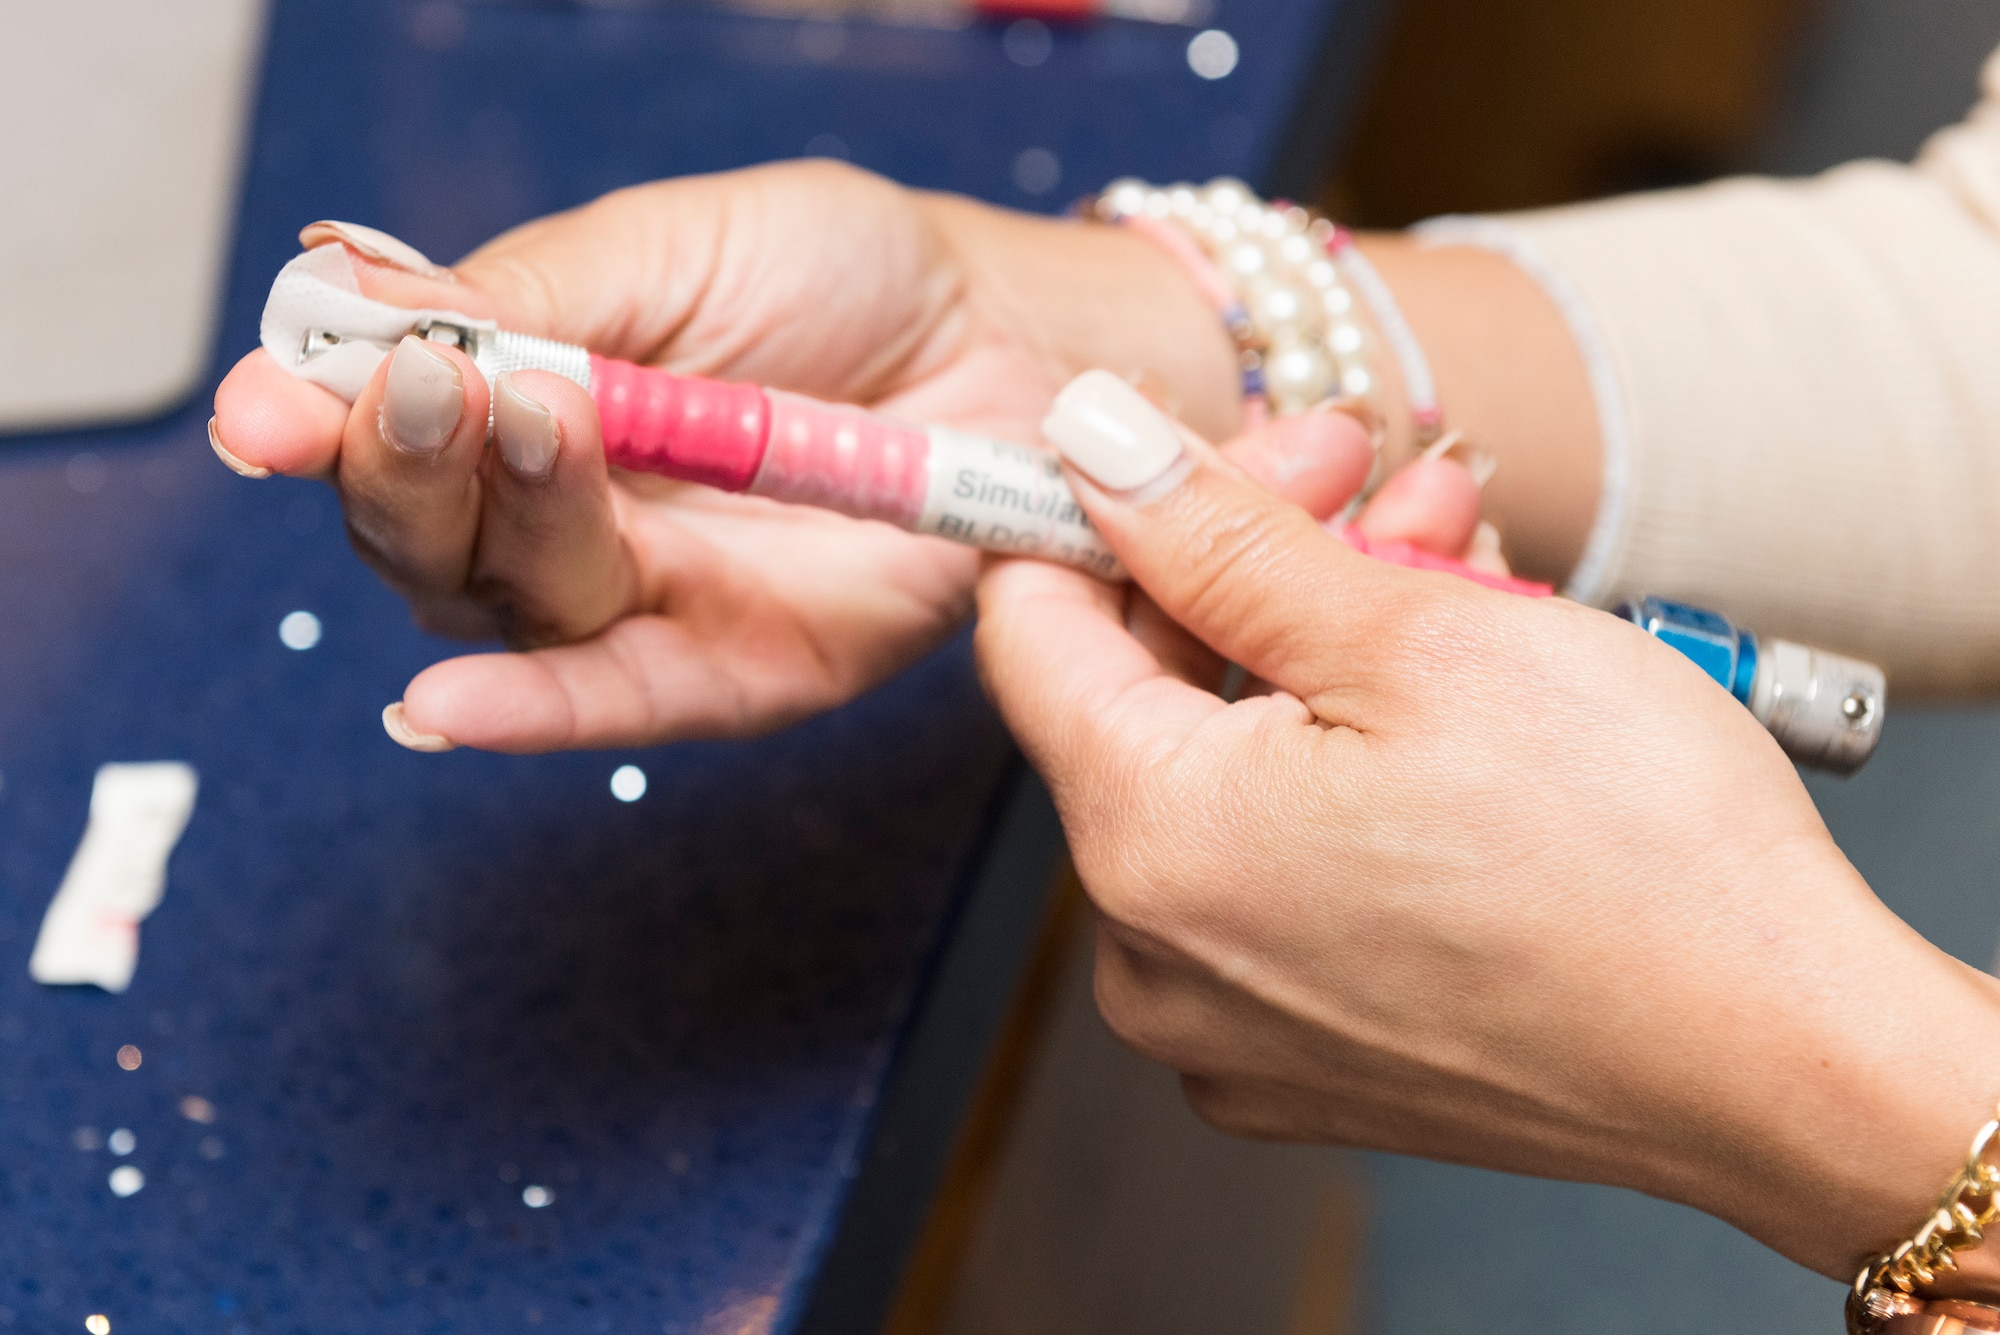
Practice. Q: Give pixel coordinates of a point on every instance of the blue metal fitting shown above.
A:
(1725, 653)
(1824, 709)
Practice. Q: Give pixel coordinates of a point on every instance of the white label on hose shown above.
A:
(91, 932)
(1008, 498)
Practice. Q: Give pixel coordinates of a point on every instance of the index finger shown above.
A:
(1253, 577)
(268, 421)
(1080, 691)
(1089, 704)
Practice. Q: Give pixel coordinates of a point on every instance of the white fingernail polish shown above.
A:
(375, 245)
(528, 434)
(422, 399)
(1111, 433)
(398, 727)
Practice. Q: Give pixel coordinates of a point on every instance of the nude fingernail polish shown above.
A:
(375, 245)
(1111, 434)
(528, 432)
(1487, 552)
(1482, 465)
(230, 461)
(423, 399)
(399, 729)
(1442, 446)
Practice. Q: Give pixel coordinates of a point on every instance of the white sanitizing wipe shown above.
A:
(319, 291)
(91, 932)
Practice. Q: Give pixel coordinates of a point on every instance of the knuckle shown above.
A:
(1131, 904)
(1128, 1009)
(527, 288)
(453, 619)
(372, 542)
(1170, 849)
(1108, 880)
(1208, 1100)
(1226, 1106)
(836, 172)
(387, 549)
(1129, 861)
(524, 622)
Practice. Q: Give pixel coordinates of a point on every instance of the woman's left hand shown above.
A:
(1483, 878)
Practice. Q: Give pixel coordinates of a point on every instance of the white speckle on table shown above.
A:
(299, 630)
(1212, 54)
(628, 783)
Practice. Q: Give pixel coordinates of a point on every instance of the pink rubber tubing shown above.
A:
(792, 448)
(845, 459)
(742, 438)
(680, 426)
(1416, 558)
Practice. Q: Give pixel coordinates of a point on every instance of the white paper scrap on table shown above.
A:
(91, 932)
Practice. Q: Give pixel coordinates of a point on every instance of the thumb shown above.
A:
(1250, 574)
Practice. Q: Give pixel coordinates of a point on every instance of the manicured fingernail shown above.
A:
(374, 245)
(1110, 433)
(1486, 551)
(423, 400)
(230, 461)
(399, 729)
(1482, 465)
(1442, 446)
(529, 436)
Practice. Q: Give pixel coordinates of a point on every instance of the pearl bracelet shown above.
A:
(1290, 288)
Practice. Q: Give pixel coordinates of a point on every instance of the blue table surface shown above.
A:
(412, 987)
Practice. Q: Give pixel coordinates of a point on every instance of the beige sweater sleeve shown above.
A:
(1799, 385)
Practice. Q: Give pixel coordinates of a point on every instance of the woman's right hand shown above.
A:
(1483, 878)
(647, 611)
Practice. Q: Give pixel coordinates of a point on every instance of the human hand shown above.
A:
(650, 610)
(1488, 879)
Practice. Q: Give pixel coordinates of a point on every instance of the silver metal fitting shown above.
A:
(1825, 710)
(499, 351)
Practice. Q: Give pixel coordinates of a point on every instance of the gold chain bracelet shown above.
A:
(1887, 1286)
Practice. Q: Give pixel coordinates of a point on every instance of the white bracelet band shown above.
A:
(1419, 386)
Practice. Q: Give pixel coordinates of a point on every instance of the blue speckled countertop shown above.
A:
(411, 988)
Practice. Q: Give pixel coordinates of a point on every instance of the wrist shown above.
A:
(1090, 296)
(1509, 375)
(1929, 1245)
(1855, 1103)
